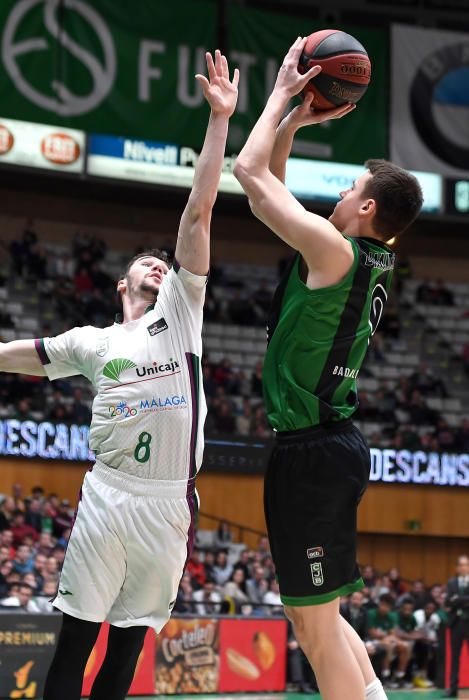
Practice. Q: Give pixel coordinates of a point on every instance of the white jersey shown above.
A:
(149, 409)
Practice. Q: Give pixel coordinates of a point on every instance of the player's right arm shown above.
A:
(21, 357)
(301, 115)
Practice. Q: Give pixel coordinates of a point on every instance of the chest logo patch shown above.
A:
(102, 347)
(114, 368)
(157, 327)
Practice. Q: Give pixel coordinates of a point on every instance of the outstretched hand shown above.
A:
(305, 114)
(220, 92)
(289, 79)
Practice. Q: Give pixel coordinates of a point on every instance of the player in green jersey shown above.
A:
(323, 315)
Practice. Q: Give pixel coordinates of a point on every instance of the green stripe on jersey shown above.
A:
(320, 337)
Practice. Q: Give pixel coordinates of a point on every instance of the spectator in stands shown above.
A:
(20, 599)
(196, 569)
(64, 266)
(444, 436)
(241, 311)
(224, 536)
(223, 569)
(382, 624)
(51, 570)
(20, 529)
(37, 262)
(224, 420)
(184, 596)
(397, 585)
(257, 586)
(7, 510)
(426, 382)
(209, 563)
(7, 541)
(419, 412)
(299, 671)
(235, 589)
(44, 544)
(64, 518)
(208, 599)
(244, 420)
(256, 380)
(418, 594)
(356, 614)
(208, 381)
(6, 567)
(461, 437)
(80, 412)
(442, 296)
(272, 599)
(23, 562)
(424, 293)
(42, 601)
(428, 623)
(259, 426)
(262, 296)
(33, 514)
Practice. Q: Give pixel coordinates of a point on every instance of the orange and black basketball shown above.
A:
(346, 68)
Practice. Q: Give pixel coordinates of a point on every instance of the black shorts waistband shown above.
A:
(315, 432)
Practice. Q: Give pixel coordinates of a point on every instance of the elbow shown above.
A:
(242, 170)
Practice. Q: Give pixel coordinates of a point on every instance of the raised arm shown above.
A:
(20, 357)
(320, 243)
(300, 116)
(193, 243)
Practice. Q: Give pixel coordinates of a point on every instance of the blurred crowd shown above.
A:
(76, 286)
(400, 621)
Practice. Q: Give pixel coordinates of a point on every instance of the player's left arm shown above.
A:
(193, 243)
(320, 243)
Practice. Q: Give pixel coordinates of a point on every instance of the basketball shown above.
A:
(346, 68)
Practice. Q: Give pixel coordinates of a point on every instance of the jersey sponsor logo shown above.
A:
(166, 403)
(314, 552)
(114, 368)
(102, 347)
(122, 410)
(317, 574)
(158, 368)
(345, 372)
(157, 327)
(383, 261)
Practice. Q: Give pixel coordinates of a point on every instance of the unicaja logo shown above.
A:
(61, 100)
(114, 368)
(157, 367)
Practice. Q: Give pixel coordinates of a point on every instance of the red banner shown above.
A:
(143, 682)
(463, 663)
(252, 655)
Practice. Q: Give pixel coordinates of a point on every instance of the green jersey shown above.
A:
(318, 338)
(385, 623)
(406, 623)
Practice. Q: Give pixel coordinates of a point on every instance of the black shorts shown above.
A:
(314, 482)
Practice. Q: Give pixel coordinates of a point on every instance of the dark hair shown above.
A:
(397, 194)
(150, 252)
(386, 598)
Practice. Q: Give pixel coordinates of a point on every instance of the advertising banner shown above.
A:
(41, 146)
(27, 645)
(187, 657)
(143, 682)
(93, 65)
(259, 40)
(252, 655)
(430, 100)
(48, 440)
(96, 66)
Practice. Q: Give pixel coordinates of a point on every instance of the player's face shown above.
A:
(146, 275)
(347, 209)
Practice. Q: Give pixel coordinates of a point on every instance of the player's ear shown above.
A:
(368, 207)
(122, 285)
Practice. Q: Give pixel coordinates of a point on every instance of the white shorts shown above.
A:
(128, 549)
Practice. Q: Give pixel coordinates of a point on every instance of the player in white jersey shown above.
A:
(134, 526)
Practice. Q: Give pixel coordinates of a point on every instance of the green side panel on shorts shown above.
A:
(322, 598)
